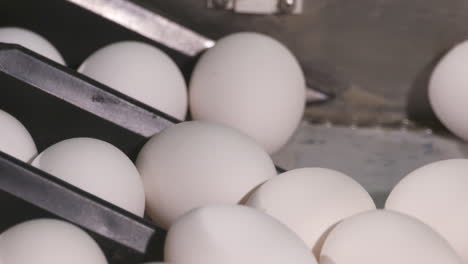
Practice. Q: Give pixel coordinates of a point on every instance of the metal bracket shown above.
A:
(148, 24)
(259, 7)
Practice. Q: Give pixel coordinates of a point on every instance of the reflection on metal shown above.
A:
(265, 7)
(148, 24)
(315, 96)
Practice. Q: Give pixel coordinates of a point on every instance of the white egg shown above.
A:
(437, 194)
(311, 201)
(16, 140)
(448, 90)
(142, 72)
(253, 83)
(385, 237)
(233, 235)
(48, 241)
(32, 41)
(197, 163)
(96, 167)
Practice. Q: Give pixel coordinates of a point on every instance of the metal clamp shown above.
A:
(264, 7)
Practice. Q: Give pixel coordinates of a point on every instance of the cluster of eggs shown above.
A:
(211, 182)
(248, 81)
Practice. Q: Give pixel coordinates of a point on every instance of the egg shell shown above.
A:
(311, 201)
(16, 140)
(448, 90)
(437, 194)
(232, 235)
(32, 41)
(385, 237)
(142, 72)
(253, 83)
(47, 241)
(197, 163)
(96, 167)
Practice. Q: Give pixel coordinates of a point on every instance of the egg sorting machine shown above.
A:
(367, 62)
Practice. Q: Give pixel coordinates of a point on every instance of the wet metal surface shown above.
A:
(377, 158)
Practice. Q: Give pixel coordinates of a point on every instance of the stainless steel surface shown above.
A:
(377, 158)
(148, 24)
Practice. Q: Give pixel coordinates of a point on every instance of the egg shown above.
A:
(142, 72)
(448, 90)
(32, 41)
(253, 83)
(310, 201)
(47, 241)
(16, 140)
(233, 235)
(437, 194)
(96, 167)
(385, 237)
(199, 163)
